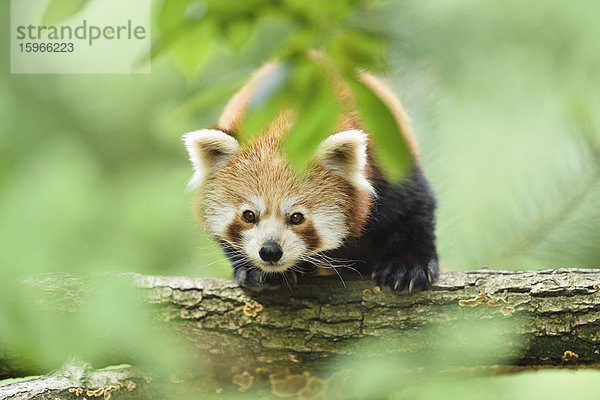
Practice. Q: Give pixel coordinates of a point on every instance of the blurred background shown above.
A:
(504, 98)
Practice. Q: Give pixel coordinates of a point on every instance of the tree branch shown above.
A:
(558, 311)
(78, 380)
(550, 318)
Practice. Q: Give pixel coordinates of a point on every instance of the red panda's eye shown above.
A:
(249, 216)
(297, 218)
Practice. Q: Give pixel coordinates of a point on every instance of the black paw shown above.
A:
(257, 280)
(403, 276)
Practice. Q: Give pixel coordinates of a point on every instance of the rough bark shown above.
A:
(546, 318)
(78, 380)
(557, 315)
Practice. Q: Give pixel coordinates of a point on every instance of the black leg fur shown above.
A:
(402, 234)
(397, 248)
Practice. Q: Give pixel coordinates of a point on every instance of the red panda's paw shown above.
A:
(257, 280)
(401, 276)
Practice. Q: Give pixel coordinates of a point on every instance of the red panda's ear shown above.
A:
(209, 149)
(345, 154)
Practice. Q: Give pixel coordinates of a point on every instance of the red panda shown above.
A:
(275, 224)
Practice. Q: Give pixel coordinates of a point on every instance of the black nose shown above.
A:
(270, 251)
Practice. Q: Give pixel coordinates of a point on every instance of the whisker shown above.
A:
(203, 267)
(286, 280)
(324, 261)
(297, 269)
(337, 272)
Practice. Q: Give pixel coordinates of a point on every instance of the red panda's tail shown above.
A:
(391, 101)
(235, 110)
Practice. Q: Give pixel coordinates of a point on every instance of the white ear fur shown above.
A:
(209, 149)
(345, 154)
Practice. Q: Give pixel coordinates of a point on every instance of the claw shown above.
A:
(410, 285)
(429, 278)
(373, 275)
(396, 284)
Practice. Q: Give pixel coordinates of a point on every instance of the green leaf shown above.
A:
(390, 150)
(314, 124)
(357, 48)
(59, 10)
(318, 112)
(209, 96)
(172, 26)
(259, 115)
(304, 90)
(192, 49)
(238, 32)
(172, 14)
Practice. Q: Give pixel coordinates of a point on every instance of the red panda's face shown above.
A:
(274, 231)
(250, 198)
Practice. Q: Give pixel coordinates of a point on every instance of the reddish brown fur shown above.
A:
(235, 229)
(309, 235)
(350, 119)
(266, 173)
(335, 195)
(393, 104)
(232, 115)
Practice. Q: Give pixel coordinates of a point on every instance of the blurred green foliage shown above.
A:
(550, 384)
(58, 10)
(505, 99)
(191, 30)
(194, 30)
